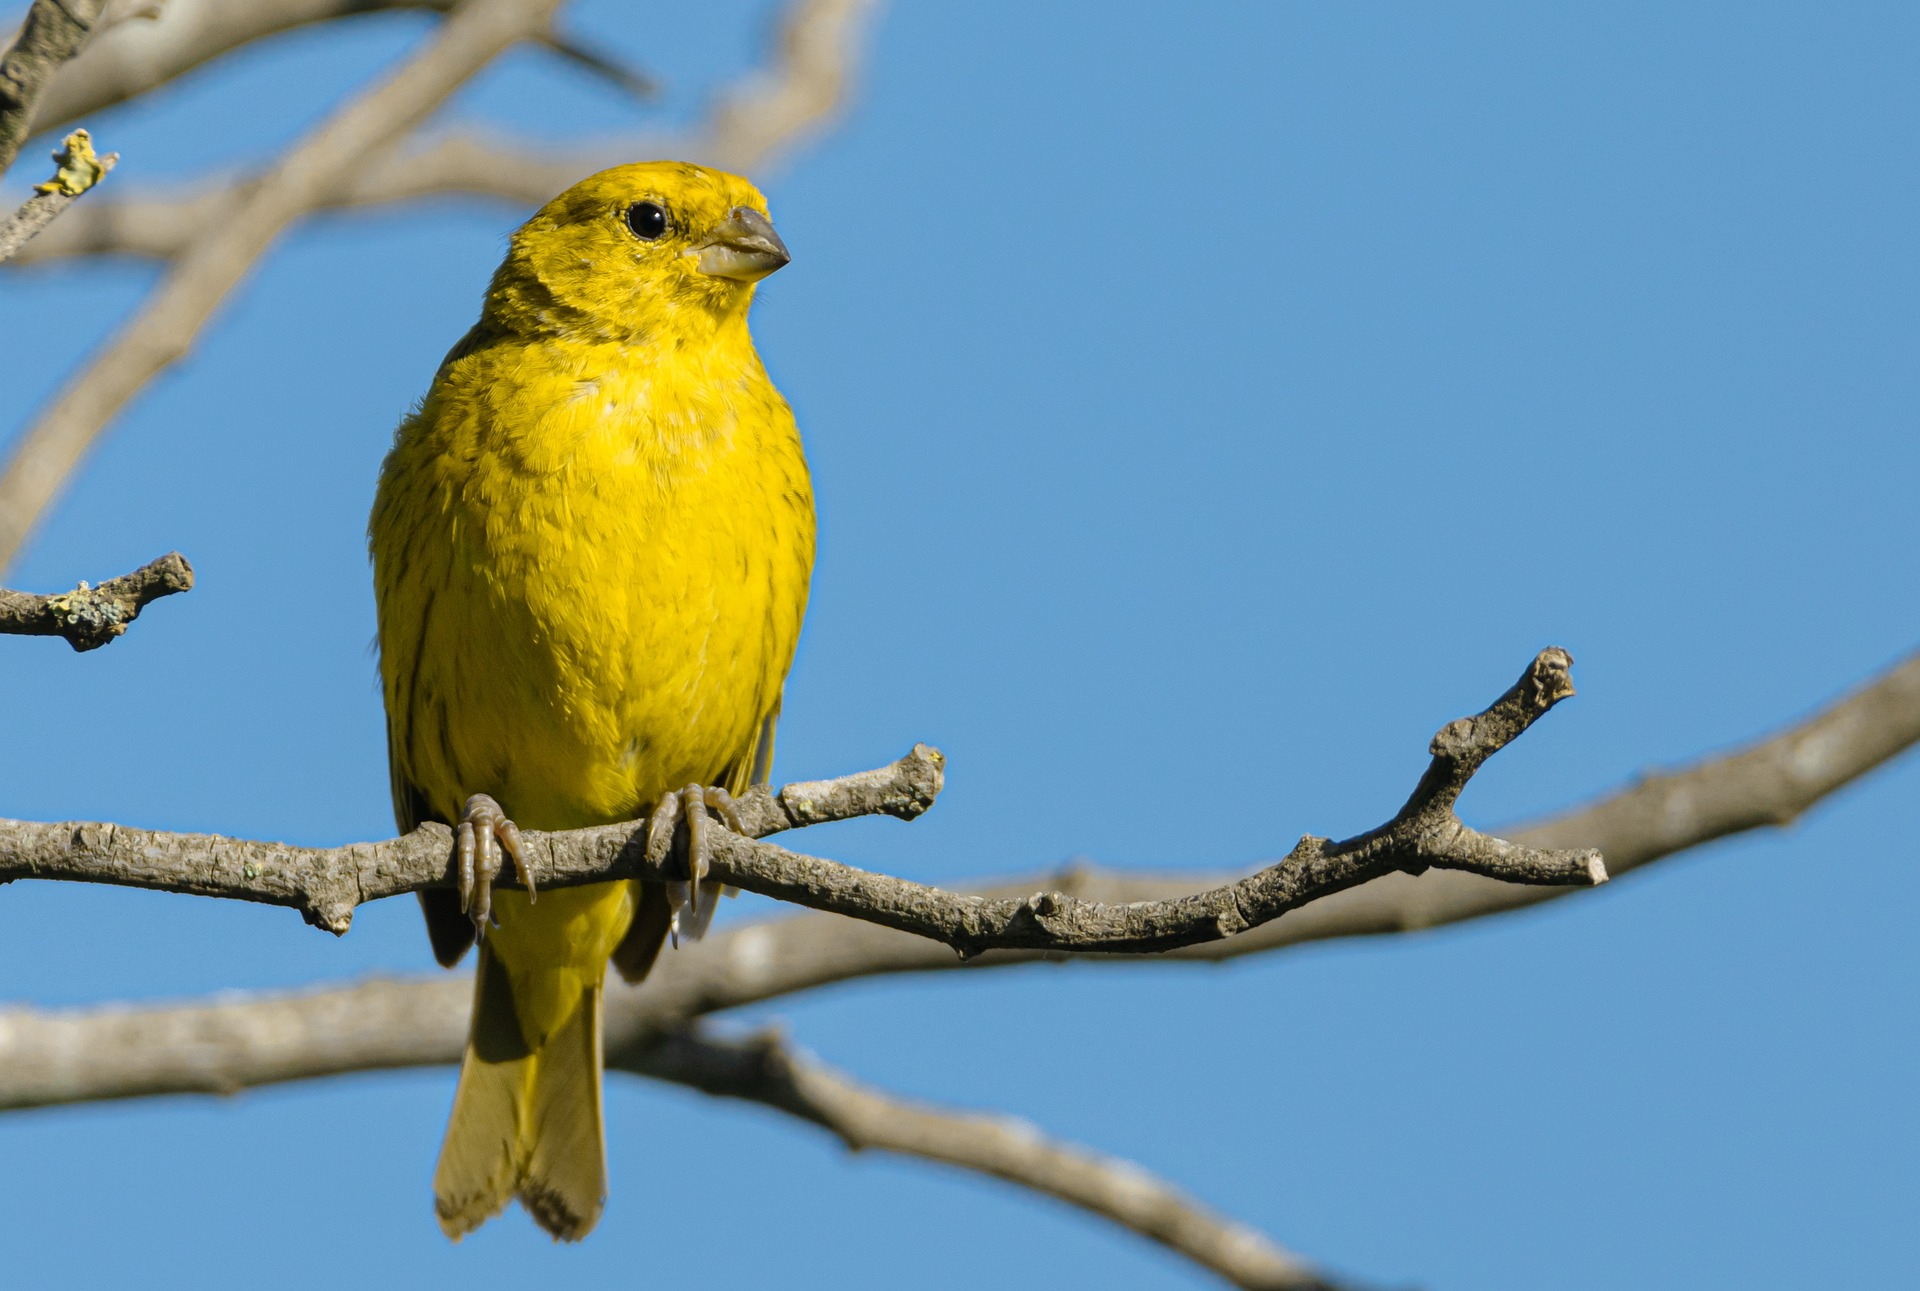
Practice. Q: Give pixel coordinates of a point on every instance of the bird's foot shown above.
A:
(483, 833)
(694, 897)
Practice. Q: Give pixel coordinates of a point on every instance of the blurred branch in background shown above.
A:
(214, 236)
(50, 34)
(220, 256)
(798, 93)
(143, 44)
(251, 1041)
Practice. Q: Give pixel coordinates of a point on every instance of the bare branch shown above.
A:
(1768, 783)
(805, 85)
(79, 170)
(53, 32)
(89, 617)
(763, 1069)
(85, 1055)
(226, 1044)
(816, 49)
(217, 259)
(143, 44)
(325, 884)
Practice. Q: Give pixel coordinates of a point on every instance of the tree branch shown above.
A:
(79, 170)
(85, 1055)
(143, 44)
(325, 884)
(1768, 783)
(763, 1069)
(53, 32)
(222, 254)
(89, 617)
(800, 90)
(224, 1045)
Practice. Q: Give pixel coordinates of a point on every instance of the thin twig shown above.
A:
(89, 617)
(325, 884)
(79, 170)
(806, 82)
(166, 327)
(53, 32)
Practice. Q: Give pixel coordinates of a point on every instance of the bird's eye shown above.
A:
(648, 220)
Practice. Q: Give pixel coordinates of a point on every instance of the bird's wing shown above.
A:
(448, 928)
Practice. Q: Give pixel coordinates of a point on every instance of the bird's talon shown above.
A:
(722, 801)
(691, 804)
(483, 833)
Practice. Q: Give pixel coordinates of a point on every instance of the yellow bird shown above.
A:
(591, 547)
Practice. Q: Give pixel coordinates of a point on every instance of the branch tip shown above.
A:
(90, 617)
(80, 168)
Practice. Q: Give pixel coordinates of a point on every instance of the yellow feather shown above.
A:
(591, 549)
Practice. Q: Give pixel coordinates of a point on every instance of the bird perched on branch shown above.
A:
(591, 547)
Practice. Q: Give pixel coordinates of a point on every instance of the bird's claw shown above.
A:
(691, 914)
(483, 833)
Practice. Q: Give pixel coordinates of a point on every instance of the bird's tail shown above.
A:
(527, 1117)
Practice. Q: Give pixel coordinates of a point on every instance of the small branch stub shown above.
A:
(80, 168)
(89, 617)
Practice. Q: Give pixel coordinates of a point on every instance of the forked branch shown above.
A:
(326, 884)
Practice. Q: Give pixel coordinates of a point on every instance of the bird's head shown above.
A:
(656, 249)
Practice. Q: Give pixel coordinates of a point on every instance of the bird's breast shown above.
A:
(632, 548)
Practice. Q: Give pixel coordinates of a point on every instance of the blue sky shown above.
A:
(1204, 405)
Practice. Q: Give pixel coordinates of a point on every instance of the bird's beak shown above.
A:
(744, 247)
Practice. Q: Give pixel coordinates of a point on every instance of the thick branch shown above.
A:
(53, 32)
(79, 170)
(805, 84)
(144, 44)
(166, 327)
(89, 617)
(325, 884)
